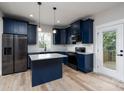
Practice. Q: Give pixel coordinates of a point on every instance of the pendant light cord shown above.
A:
(39, 15)
(39, 4)
(54, 8)
(54, 18)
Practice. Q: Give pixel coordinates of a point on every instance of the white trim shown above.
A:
(1, 31)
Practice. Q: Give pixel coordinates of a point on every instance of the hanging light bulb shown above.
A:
(54, 30)
(39, 27)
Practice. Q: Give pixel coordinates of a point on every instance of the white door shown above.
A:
(110, 51)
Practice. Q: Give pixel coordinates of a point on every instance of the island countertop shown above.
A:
(36, 57)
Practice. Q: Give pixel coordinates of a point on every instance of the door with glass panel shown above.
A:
(110, 51)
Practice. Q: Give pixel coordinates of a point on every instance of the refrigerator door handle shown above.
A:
(4, 51)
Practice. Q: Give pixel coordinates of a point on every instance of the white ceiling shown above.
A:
(66, 12)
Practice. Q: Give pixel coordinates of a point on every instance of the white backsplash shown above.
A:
(89, 47)
(35, 48)
(58, 47)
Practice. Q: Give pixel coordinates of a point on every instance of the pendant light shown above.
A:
(39, 27)
(54, 30)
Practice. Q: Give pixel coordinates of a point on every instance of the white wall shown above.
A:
(1, 31)
(48, 29)
(109, 15)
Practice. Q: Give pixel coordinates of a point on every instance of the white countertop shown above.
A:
(86, 53)
(48, 51)
(46, 56)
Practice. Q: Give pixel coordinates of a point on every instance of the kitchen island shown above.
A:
(46, 67)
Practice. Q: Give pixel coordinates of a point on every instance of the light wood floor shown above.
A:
(72, 80)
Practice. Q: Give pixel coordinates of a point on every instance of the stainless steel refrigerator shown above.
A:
(14, 53)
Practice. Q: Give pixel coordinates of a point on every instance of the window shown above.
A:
(109, 49)
(44, 39)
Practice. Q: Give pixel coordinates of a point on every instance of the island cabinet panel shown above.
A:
(13, 26)
(46, 70)
(87, 31)
(64, 60)
(85, 62)
(32, 34)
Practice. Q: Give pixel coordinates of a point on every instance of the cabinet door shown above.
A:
(8, 26)
(63, 36)
(22, 28)
(56, 37)
(85, 62)
(15, 27)
(32, 29)
(80, 61)
(12, 26)
(87, 31)
(89, 63)
(75, 29)
(68, 35)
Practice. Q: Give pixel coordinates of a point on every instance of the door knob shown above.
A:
(119, 54)
(121, 50)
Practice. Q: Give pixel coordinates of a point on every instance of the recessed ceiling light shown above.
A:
(58, 21)
(31, 15)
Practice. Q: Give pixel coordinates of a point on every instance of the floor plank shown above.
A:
(72, 80)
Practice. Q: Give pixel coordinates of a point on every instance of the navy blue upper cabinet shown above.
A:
(60, 36)
(87, 31)
(8, 26)
(56, 37)
(32, 32)
(79, 31)
(68, 35)
(22, 28)
(76, 30)
(12, 26)
(63, 36)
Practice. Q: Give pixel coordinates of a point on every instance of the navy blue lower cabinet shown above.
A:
(46, 70)
(85, 62)
(65, 60)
